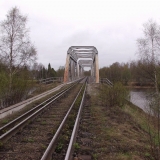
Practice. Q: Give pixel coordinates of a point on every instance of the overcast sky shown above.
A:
(112, 26)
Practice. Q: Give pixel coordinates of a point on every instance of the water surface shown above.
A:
(141, 97)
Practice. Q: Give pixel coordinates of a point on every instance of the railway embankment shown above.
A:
(117, 132)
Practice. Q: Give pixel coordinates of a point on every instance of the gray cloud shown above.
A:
(112, 26)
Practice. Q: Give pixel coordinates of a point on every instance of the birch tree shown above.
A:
(16, 49)
(149, 51)
(149, 48)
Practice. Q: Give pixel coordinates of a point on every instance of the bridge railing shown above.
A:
(51, 79)
(106, 81)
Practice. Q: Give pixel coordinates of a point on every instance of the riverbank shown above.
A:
(140, 87)
(120, 132)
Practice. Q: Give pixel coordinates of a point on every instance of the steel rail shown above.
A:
(23, 116)
(75, 129)
(19, 126)
(48, 153)
(30, 100)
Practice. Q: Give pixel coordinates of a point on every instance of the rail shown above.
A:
(29, 116)
(51, 79)
(75, 129)
(48, 153)
(106, 81)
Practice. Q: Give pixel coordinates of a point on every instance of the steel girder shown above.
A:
(79, 57)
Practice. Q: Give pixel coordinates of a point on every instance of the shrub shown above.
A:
(112, 96)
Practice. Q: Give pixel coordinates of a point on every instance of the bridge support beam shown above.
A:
(77, 70)
(66, 72)
(97, 68)
(70, 72)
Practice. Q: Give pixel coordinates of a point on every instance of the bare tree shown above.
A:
(149, 50)
(16, 50)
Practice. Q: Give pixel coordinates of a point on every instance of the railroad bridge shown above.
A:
(79, 57)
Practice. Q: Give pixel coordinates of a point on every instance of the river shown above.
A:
(140, 97)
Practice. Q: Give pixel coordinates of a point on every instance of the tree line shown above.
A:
(40, 72)
(135, 73)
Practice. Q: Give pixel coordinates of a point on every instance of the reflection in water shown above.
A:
(140, 97)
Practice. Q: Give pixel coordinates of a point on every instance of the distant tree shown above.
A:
(60, 71)
(53, 73)
(142, 72)
(34, 71)
(44, 73)
(37, 70)
(16, 50)
(149, 49)
(126, 74)
(115, 73)
(49, 72)
(103, 72)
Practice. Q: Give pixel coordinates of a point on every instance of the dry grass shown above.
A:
(119, 132)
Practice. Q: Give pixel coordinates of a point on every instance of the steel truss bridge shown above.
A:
(79, 57)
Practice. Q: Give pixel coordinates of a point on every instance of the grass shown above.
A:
(31, 140)
(43, 146)
(149, 125)
(76, 146)
(59, 147)
(43, 123)
(5, 121)
(120, 132)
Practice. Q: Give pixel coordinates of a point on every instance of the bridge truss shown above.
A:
(79, 57)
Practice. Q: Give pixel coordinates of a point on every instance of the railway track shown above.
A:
(30, 139)
(16, 107)
(75, 140)
(31, 113)
(84, 137)
(80, 145)
(15, 125)
(9, 110)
